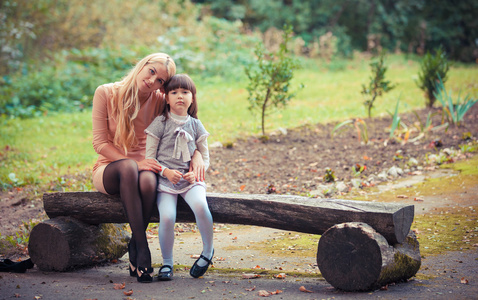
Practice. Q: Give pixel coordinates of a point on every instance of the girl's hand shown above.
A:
(190, 177)
(197, 166)
(149, 165)
(173, 175)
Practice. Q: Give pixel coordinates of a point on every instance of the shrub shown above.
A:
(269, 78)
(432, 68)
(377, 85)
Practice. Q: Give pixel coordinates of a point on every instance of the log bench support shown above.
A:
(363, 245)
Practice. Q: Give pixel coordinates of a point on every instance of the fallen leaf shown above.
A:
(128, 293)
(257, 267)
(195, 256)
(418, 199)
(264, 293)
(250, 276)
(119, 286)
(303, 289)
(276, 292)
(251, 289)
(280, 276)
(464, 280)
(242, 187)
(402, 196)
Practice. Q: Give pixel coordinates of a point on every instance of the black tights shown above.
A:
(137, 191)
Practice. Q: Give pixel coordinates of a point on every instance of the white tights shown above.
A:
(167, 204)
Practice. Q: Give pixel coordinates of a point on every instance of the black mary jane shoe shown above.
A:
(145, 276)
(165, 275)
(197, 271)
(132, 265)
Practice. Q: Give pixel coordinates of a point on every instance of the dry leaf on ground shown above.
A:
(119, 286)
(250, 276)
(303, 289)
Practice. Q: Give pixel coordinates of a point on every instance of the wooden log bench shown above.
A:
(363, 245)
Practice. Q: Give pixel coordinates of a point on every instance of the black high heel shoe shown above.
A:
(145, 276)
(132, 272)
(165, 275)
(197, 271)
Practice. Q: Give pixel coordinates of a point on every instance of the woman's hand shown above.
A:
(173, 175)
(197, 166)
(149, 165)
(190, 177)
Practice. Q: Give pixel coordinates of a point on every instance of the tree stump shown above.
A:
(354, 257)
(64, 243)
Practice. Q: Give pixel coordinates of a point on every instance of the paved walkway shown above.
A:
(233, 246)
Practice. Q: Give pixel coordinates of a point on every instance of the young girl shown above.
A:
(172, 139)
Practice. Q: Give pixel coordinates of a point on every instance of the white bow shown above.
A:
(181, 144)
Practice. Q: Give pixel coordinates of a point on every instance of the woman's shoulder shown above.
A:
(105, 89)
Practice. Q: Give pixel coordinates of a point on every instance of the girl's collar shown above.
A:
(178, 119)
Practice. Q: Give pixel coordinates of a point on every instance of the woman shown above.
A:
(121, 112)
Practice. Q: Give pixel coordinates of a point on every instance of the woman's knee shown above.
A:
(129, 168)
(148, 182)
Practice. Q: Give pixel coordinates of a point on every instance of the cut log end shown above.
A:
(354, 257)
(65, 243)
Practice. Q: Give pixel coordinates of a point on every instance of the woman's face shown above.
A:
(151, 77)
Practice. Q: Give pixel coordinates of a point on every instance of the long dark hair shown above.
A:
(181, 81)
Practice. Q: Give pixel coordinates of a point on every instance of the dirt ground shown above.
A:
(292, 161)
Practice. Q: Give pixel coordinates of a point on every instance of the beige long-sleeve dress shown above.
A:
(104, 127)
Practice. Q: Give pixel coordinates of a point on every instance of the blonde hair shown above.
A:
(125, 100)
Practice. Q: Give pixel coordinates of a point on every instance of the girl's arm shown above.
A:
(152, 143)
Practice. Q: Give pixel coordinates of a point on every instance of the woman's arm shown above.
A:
(197, 166)
(100, 133)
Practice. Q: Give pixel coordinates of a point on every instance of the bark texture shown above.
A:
(355, 257)
(65, 243)
(293, 213)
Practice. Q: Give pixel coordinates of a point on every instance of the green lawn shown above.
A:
(49, 148)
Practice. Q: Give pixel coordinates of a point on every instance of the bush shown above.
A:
(269, 78)
(65, 84)
(377, 85)
(432, 68)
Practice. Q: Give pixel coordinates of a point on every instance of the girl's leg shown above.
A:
(148, 183)
(167, 204)
(196, 199)
(122, 177)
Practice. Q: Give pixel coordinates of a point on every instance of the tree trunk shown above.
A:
(64, 243)
(293, 213)
(354, 257)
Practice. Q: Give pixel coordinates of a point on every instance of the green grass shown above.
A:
(49, 148)
(39, 150)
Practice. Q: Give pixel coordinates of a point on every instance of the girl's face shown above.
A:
(151, 77)
(179, 101)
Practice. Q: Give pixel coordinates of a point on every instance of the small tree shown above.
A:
(432, 68)
(378, 85)
(270, 76)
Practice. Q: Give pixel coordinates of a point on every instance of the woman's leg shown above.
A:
(167, 204)
(122, 177)
(196, 199)
(148, 183)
